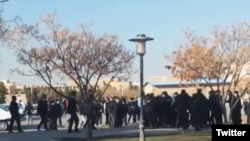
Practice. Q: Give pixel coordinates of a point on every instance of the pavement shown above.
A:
(31, 135)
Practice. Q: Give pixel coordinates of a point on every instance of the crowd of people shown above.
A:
(179, 110)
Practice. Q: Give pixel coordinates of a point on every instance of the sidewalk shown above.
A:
(52, 135)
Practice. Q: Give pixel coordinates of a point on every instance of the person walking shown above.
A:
(28, 111)
(247, 110)
(59, 110)
(72, 110)
(82, 114)
(42, 111)
(15, 116)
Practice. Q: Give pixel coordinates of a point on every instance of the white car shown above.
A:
(5, 115)
(21, 109)
(4, 118)
(20, 106)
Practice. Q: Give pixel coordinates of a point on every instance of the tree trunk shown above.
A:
(89, 109)
(88, 106)
(224, 112)
(230, 115)
(89, 134)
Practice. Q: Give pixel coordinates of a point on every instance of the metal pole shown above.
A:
(122, 92)
(141, 126)
(31, 95)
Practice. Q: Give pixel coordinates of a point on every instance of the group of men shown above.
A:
(50, 112)
(179, 110)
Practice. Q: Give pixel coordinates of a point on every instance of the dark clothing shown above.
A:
(42, 110)
(112, 110)
(149, 111)
(55, 110)
(73, 118)
(14, 109)
(15, 116)
(199, 111)
(182, 106)
(43, 122)
(215, 108)
(106, 112)
(28, 109)
(247, 110)
(98, 112)
(54, 113)
(72, 110)
(165, 103)
(235, 105)
(119, 115)
(72, 107)
(132, 111)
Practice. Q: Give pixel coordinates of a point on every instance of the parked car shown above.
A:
(5, 114)
(4, 118)
(20, 106)
(21, 109)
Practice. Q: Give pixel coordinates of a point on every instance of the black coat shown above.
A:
(72, 107)
(42, 108)
(55, 110)
(14, 109)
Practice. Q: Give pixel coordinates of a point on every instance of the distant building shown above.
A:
(161, 79)
(12, 88)
(116, 83)
(172, 85)
(22, 98)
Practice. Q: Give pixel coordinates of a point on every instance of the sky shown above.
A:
(163, 20)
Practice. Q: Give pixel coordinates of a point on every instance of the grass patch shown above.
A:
(181, 137)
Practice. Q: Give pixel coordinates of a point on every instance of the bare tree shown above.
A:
(79, 56)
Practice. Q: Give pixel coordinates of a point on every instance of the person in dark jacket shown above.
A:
(42, 111)
(15, 116)
(182, 107)
(247, 109)
(112, 110)
(132, 110)
(53, 114)
(235, 106)
(215, 107)
(83, 114)
(72, 110)
(59, 110)
(199, 108)
(28, 111)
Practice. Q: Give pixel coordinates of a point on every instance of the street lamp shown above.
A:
(121, 90)
(140, 41)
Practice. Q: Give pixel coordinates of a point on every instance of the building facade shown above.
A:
(14, 89)
(172, 85)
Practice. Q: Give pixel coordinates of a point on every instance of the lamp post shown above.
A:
(121, 90)
(31, 95)
(140, 41)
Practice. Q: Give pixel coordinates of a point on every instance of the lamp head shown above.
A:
(140, 41)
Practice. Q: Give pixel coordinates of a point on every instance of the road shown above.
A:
(36, 120)
(53, 135)
(31, 134)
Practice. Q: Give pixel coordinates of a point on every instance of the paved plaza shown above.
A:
(33, 135)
